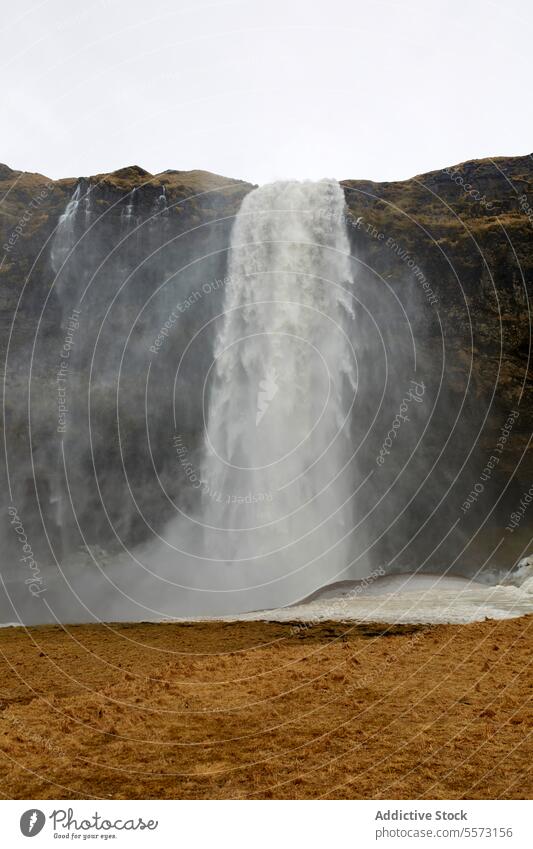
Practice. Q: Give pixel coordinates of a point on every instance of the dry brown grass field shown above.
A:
(262, 710)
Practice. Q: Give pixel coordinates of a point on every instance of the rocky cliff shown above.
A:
(462, 238)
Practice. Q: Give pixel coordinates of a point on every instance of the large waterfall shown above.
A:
(277, 467)
(282, 385)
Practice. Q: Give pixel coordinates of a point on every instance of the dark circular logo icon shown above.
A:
(31, 822)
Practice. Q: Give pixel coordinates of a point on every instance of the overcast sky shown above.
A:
(263, 89)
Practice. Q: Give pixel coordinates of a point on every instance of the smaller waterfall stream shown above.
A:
(63, 240)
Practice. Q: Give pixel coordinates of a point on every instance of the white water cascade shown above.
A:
(63, 240)
(278, 461)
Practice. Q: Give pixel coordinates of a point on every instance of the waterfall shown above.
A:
(277, 467)
(127, 214)
(161, 204)
(67, 381)
(63, 240)
(87, 206)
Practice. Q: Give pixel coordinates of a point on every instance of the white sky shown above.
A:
(263, 89)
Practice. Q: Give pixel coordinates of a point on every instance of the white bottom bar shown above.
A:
(268, 824)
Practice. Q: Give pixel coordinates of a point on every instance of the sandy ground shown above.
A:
(267, 710)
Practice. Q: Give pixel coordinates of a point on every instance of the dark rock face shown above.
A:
(444, 268)
(455, 247)
(82, 304)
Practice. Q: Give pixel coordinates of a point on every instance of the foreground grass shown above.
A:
(262, 710)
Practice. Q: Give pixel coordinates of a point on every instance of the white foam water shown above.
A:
(411, 599)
